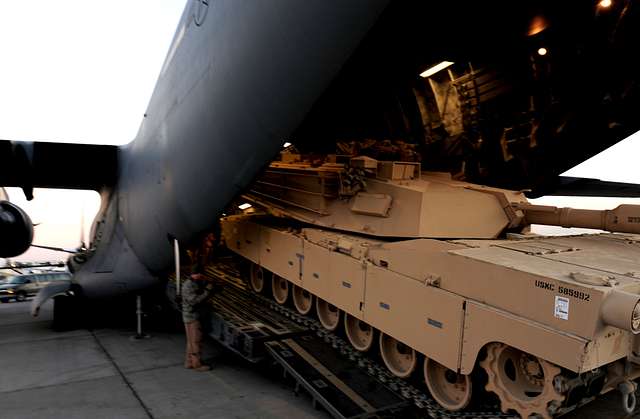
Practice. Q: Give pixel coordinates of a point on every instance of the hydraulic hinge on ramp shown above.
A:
(243, 326)
(343, 389)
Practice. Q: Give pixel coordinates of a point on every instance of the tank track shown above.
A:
(426, 406)
(419, 398)
(424, 403)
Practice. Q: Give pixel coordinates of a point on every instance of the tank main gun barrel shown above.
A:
(623, 219)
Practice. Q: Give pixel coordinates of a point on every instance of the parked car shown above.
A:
(20, 287)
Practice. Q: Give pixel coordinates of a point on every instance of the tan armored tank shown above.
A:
(417, 263)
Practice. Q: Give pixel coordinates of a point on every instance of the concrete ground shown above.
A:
(105, 374)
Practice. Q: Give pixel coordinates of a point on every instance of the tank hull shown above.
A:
(434, 295)
(454, 301)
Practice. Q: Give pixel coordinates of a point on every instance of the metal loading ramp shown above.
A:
(244, 323)
(342, 389)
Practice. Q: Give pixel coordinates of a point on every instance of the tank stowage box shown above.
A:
(419, 263)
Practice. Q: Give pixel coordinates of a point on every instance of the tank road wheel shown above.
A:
(523, 382)
(280, 289)
(400, 359)
(257, 278)
(450, 389)
(328, 314)
(302, 299)
(359, 333)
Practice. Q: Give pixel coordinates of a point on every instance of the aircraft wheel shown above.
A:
(280, 288)
(66, 313)
(328, 314)
(399, 358)
(302, 300)
(257, 278)
(360, 334)
(450, 389)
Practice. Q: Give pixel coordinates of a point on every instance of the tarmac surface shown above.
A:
(104, 373)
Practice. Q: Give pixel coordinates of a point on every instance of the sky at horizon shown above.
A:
(77, 71)
(82, 71)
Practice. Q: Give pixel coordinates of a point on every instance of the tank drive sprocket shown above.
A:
(522, 382)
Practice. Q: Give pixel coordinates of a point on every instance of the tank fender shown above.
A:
(484, 324)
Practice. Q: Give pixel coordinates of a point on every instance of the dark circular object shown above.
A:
(16, 230)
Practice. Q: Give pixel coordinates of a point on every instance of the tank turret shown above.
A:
(395, 199)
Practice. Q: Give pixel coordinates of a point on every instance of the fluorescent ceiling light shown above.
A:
(287, 144)
(433, 70)
(605, 4)
(244, 206)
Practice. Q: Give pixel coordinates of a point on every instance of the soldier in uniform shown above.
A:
(195, 290)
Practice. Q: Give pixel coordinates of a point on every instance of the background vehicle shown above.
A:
(20, 287)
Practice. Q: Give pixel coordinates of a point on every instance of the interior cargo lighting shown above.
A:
(244, 206)
(537, 25)
(433, 70)
(605, 4)
(287, 144)
(542, 51)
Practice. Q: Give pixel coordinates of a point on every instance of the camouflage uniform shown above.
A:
(193, 293)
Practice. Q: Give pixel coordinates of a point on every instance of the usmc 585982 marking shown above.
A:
(570, 292)
(580, 295)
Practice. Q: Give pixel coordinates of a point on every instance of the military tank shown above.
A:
(443, 276)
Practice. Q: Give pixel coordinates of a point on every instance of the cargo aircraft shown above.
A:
(523, 90)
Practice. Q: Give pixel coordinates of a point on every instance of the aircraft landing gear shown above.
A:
(65, 313)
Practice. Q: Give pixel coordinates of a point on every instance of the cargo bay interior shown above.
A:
(524, 91)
